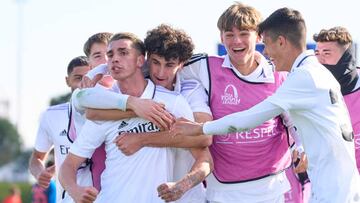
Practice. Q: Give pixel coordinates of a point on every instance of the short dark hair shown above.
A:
(336, 34)
(240, 15)
(101, 37)
(285, 22)
(77, 61)
(169, 43)
(137, 43)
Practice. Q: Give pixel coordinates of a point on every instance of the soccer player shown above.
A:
(54, 132)
(167, 51)
(249, 166)
(124, 175)
(313, 98)
(95, 49)
(334, 49)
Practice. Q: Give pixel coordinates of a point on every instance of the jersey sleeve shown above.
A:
(242, 121)
(197, 69)
(99, 98)
(296, 92)
(92, 135)
(43, 142)
(196, 96)
(181, 108)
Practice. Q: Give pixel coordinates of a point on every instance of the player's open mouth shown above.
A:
(238, 50)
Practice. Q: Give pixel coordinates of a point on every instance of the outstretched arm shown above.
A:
(236, 122)
(99, 98)
(67, 178)
(108, 114)
(130, 143)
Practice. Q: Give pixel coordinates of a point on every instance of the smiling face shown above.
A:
(276, 50)
(240, 45)
(163, 72)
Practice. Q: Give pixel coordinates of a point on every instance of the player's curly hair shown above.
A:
(336, 34)
(169, 43)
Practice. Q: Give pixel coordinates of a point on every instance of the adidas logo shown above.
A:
(63, 133)
(123, 124)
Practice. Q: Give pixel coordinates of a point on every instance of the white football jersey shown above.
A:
(53, 132)
(132, 178)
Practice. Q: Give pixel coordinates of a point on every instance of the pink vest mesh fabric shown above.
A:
(353, 104)
(98, 165)
(250, 155)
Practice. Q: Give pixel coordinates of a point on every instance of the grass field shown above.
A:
(24, 187)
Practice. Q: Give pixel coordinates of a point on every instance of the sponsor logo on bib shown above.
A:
(230, 96)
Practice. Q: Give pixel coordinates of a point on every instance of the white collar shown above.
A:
(148, 93)
(149, 90)
(177, 84)
(301, 58)
(263, 72)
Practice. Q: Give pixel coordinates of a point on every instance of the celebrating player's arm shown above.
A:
(42, 174)
(67, 178)
(130, 143)
(93, 99)
(81, 150)
(108, 114)
(299, 158)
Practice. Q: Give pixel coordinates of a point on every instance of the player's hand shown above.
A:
(184, 127)
(170, 191)
(86, 82)
(84, 194)
(45, 176)
(152, 111)
(300, 161)
(128, 143)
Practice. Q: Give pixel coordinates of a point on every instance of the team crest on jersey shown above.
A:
(63, 133)
(122, 124)
(230, 96)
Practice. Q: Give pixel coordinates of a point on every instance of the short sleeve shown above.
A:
(196, 96)
(43, 142)
(182, 109)
(196, 69)
(297, 92)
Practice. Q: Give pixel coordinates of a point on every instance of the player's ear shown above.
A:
(140, 60)
(181, 65)
(67, 81)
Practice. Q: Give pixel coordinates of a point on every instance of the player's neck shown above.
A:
(248, 67)
(133, 86)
